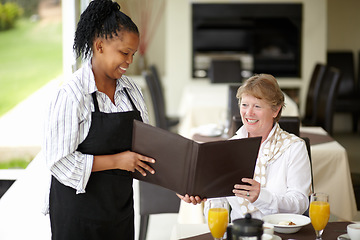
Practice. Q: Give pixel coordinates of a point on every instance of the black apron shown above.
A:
(106, 210)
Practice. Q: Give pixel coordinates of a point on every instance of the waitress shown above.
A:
(88, 132)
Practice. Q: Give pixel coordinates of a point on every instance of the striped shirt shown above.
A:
(69, 119)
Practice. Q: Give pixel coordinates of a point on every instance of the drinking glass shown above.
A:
(319, 212)
(218, 217)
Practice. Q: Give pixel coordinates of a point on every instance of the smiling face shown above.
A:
(112, 56)
(257, 116)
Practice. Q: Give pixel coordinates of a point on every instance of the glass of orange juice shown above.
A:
(218, 217)
(319, 212)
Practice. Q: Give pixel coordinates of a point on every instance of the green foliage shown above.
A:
(30, 7)
(9, 13)
(15, 163)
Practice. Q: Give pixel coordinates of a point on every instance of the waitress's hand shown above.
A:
(250, 192)
(132, 161)
(191, 199)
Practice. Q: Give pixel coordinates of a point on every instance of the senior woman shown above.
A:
(282, 176)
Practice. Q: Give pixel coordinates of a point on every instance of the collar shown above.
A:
(243, 133)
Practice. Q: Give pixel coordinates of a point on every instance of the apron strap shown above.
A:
(131, 101)
(96, 105)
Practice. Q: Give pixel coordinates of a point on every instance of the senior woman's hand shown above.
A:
(191, 199)
(250, 192)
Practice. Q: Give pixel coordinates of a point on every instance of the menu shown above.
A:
(199, 169)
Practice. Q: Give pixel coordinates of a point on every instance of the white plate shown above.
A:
(344, 236)
(275, 219)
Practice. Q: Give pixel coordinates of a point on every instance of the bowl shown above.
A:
(278, 220)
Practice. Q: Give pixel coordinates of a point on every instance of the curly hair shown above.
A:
(102, 18)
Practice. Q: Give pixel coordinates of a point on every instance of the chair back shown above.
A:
(348, 94)
(233, 103)
(162, 120)
(308, 148)
(225, 71)
(157, 99)
(344, 61)
(358, 74)
(155, 199)
(307, 143)
(313, 94)
(290, 124)
(327, 95)
(158, 84)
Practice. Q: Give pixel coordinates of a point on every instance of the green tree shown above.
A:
(9, 13)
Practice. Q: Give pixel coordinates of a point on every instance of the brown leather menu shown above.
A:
(198, 169)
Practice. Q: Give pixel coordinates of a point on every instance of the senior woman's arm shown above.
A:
(289, 183)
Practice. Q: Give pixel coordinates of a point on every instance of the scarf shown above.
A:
(274, 147)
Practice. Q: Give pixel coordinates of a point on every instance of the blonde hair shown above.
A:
(266, 88)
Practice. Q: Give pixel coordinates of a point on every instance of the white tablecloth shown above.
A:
(332, 175)
(188, 230)
(203, 104)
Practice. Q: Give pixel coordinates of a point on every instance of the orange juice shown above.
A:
(218, 220)
(319, 214)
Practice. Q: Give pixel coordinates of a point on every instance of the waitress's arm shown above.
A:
(62, 126)
(129, 161)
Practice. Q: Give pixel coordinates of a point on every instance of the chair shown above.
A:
(157, 97)
(233, 107)
(358, 72)
(307, 143)
(290, 124)
(313, 95)
(308, 148)
(327, 96)
(344, 61)
(155, 200)
(348, 95)
(225, 71)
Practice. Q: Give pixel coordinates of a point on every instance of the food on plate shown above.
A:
(286, 223)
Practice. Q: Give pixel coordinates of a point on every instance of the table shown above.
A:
(207, 103)
(201, 232)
